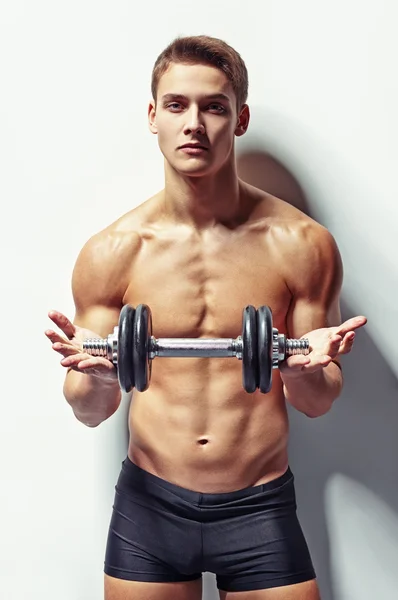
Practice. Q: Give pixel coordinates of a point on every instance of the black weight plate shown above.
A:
(142, 335)
(265, 348)
(250, 350)
(125, 337)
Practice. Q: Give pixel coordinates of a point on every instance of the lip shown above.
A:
(193, 146)
(193, 149)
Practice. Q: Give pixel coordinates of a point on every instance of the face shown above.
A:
(196, 104)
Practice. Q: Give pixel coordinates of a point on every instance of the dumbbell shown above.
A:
(131, 348)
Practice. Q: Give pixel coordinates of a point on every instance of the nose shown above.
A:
(194, 123)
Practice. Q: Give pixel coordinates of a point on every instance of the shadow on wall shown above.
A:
(350, 199)
(266, 173)
(357, 438)
(363, 533)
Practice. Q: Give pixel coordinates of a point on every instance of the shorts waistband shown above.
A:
(144, 478)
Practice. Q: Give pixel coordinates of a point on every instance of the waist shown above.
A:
(134, 478)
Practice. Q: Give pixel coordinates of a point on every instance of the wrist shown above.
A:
(96, 381)
(93, 399)
(310, 393)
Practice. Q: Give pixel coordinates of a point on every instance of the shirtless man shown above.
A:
(206, 485)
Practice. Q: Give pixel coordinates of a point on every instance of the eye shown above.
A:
(217, 108)
(174, 106)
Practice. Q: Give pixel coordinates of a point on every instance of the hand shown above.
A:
(71, 348)
(325, 345)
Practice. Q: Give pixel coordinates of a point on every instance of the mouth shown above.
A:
(193, 150)
(193, 147)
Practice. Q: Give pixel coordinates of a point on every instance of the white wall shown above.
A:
(75, 153)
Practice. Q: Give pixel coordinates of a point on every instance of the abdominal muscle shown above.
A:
(196, 427)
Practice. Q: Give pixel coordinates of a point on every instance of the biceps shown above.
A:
(99, 319)
(306, 315)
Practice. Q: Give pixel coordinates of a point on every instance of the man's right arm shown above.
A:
(98, 286)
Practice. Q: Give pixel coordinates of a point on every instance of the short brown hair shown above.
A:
(206, 50)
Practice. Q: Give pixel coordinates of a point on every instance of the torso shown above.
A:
(195, 425)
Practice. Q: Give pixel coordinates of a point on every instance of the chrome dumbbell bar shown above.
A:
(282, 347)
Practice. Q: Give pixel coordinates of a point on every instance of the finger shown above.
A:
(333, 347)
(74, 359)
(97, 364)
(317, 362)
(85, 361)
(295, 363)
(347, 343)
(351, 325)
(66, 349)
(63, 323)
(54, 337)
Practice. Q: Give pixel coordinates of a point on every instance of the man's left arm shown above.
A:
(311, 383)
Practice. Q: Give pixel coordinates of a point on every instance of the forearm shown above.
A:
(93, 400)
(314, 394)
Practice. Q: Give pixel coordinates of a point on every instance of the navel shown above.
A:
(203, 441)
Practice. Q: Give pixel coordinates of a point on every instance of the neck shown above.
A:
(202, 202)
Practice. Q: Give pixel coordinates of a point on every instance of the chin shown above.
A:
(195, 172)
(193, 169)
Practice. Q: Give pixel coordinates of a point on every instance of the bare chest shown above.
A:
(200, 287)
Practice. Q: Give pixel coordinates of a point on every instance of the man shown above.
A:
(206, 485)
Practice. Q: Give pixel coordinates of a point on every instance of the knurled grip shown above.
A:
(297, 346)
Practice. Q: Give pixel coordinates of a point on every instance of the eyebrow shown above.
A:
(219, 96)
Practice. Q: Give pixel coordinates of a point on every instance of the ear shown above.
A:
(152, 117)
(243, 121)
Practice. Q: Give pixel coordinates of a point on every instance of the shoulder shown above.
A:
(121, 238)
(103, 265)
(292, 229)
(107, 247)
(310, 254)
(306, 240)
(305, 251)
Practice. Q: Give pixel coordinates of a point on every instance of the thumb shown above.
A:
(294, 363)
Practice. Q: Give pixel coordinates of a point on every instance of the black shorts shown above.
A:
(251, 538)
